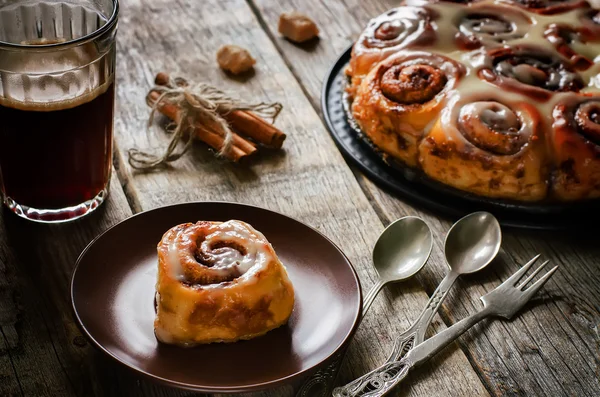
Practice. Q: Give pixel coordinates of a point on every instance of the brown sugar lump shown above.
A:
(235, 59)
(297, 27)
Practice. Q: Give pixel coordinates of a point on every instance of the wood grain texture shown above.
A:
(308, 180)
(550, 350)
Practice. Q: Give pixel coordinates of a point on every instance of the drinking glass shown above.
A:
(57, 72)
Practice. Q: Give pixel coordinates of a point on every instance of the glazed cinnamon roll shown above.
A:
(549, 7)
(575, 143)
(386, 35)
(489, 25)
(530, 71)
(570, 42)
(400, 97)
(488, 146)
(218, 282)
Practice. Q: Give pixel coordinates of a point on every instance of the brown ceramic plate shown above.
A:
(112, 292)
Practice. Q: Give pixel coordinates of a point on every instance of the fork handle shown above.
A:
(381, 380)
(433, 345)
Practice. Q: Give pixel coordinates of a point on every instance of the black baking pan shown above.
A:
(420, 190)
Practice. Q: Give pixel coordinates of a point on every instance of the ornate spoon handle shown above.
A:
(376, 382)
(406, 341)
(415, 335)
(381, 380)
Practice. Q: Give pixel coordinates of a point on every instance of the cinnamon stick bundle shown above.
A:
(242, 121)
(232, 127)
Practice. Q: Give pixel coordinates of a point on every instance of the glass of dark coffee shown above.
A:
(57, 67)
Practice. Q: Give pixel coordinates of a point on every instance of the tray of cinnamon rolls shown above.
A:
(463, 105)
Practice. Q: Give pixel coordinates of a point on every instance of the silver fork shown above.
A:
(504, 301)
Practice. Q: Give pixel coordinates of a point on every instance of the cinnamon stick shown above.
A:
(241, 147)
(245, 122)
(256, 128)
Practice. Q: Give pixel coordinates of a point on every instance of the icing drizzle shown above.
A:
(207, 253)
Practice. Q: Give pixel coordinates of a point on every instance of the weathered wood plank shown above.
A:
(9, 309)
(309, 180)
(552, 350)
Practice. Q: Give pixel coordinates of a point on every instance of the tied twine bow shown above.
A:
(199, 104)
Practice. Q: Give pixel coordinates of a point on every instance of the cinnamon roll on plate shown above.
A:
(230, 285)
(497, 98)
(219, 282)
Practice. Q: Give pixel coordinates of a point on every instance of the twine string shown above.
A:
(197, 104)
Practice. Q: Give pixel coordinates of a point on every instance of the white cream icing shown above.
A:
(219, 248)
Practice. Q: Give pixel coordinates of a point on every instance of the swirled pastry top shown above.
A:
(544, 53)
(206, 254)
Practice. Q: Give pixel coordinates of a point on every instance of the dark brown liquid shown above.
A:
(58, 158)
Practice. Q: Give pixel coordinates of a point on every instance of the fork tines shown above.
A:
(516, 277)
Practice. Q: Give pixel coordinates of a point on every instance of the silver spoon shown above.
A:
(471, 244)
(399, 253)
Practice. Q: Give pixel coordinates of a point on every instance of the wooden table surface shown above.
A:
(550, 349)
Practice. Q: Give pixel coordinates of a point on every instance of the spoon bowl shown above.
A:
(402, 249)
(472, 242)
